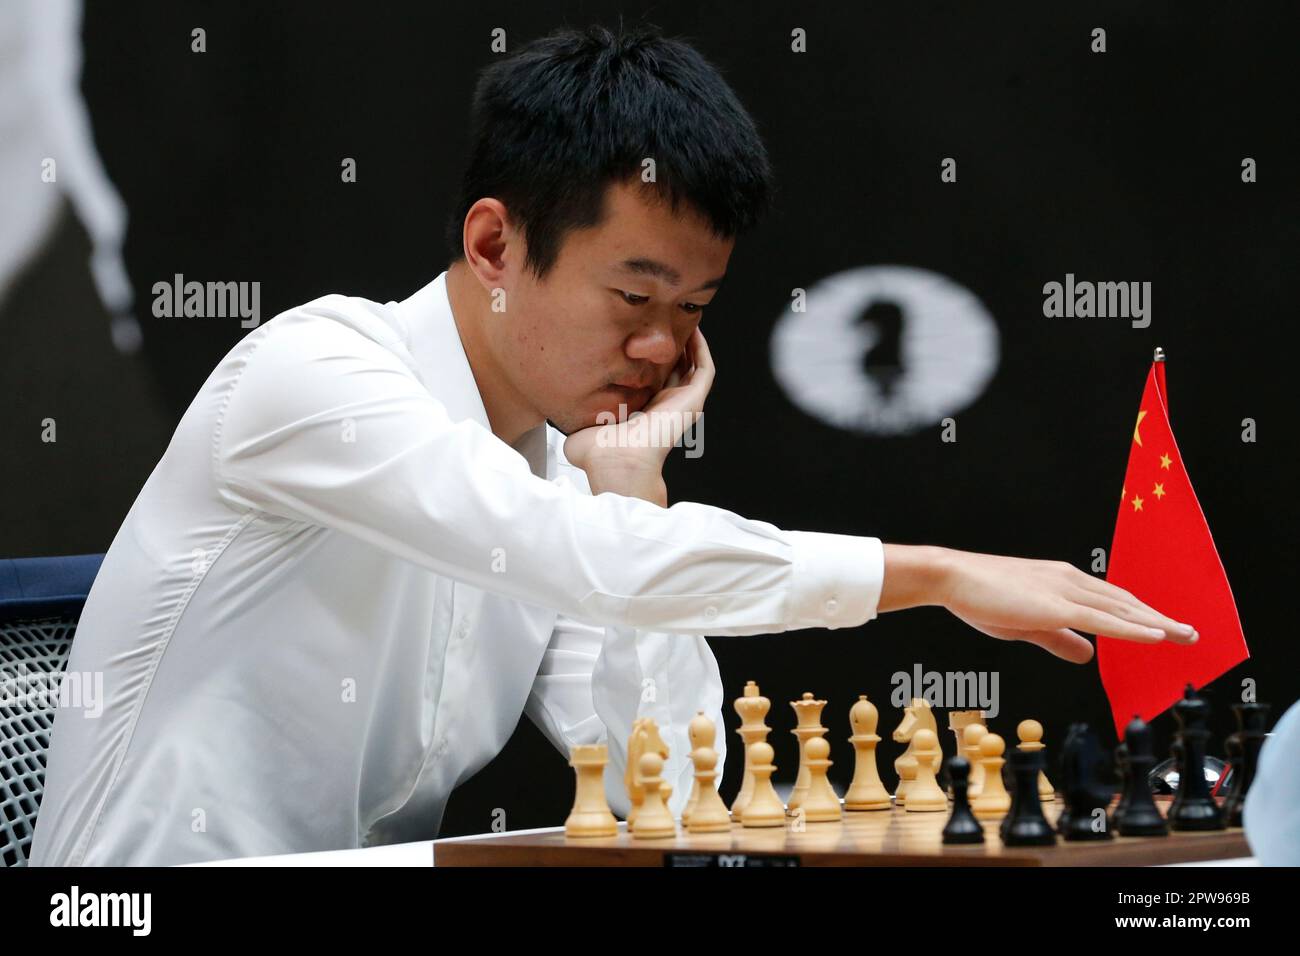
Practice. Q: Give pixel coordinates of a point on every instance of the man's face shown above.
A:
(612, 317)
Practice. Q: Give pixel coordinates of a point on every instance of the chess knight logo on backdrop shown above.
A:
(884, 350)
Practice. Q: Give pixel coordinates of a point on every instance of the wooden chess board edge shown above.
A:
(550, 850)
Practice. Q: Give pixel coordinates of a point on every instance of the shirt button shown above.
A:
(464, 628)
(832, 606)
(710, 612)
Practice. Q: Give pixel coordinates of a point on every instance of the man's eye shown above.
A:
(631, 298)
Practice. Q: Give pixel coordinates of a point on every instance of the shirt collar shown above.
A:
(434, 342)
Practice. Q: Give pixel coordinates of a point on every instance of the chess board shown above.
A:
(863, 838)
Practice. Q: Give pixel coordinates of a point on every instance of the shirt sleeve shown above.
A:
(324, 425)
(595, 681)
(1271, 814)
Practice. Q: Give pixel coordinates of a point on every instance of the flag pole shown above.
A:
(1158, 361)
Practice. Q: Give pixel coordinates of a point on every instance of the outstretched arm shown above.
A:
(1013, 599)
(1020, 599)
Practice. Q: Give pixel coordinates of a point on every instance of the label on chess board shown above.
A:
(730, 859)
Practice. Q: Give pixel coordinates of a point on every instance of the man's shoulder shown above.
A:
(332, 325)
(334, 351)
(339, 317)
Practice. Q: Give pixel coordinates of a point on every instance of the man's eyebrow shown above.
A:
(659, 270)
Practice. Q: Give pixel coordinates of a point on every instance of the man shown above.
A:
(370, 545)
(1270, 816)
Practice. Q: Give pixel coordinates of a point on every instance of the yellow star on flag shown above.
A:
(1137, 503)
(1137, 437)
(1159, 490)
(1164, 460)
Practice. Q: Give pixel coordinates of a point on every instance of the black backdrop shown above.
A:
(1120, 166)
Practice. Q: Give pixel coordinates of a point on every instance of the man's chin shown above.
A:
(560, 427)
(606, 412)
(568, 424)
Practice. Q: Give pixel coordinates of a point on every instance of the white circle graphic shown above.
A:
(946, 342)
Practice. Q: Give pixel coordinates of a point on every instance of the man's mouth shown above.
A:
(634, 398)
(634, 384)
(631, 389)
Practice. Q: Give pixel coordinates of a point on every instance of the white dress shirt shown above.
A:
(1271, 815)
(338, 592)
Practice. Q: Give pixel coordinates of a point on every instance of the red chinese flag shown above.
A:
(1164, 555)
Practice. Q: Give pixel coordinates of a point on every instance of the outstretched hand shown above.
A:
(1020, 599)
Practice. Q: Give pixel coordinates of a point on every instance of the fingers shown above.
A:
(699, 380)
(702, 357)
(1103, 623)
(1121, 603)
(679, 373)
(1141, 614)
(1062, 642)
(687, 360)
(684, 369)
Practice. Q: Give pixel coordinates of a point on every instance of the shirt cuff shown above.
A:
(837, 579)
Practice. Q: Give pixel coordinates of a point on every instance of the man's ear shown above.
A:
(488, 233)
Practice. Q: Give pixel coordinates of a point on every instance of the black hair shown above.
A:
(553, 125)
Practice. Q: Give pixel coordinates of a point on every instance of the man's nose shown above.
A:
(655, 343)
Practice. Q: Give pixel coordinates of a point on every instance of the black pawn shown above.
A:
(1193, 807)
(962, 827)
(1121, 764)
(1141, 815)
(1243, 748)
(1074, 730)
(1024, 824)
(1085, 795)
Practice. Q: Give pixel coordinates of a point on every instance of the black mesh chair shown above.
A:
(40, 603)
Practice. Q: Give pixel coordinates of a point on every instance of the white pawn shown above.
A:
(752, 708)
(1030, 733)
(993, 801)
(707, 812)
(701, 733)
(972, 735)
(765, 808)
(653, 821)
(820, 802)
(925, 795)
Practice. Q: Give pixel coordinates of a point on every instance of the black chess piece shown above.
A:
(1121, 765)
(962, 826)
(1085, 795)
(1024, 824)
(1141, 815)
(1074, 730)
(1193, 807)
(1243, 749)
